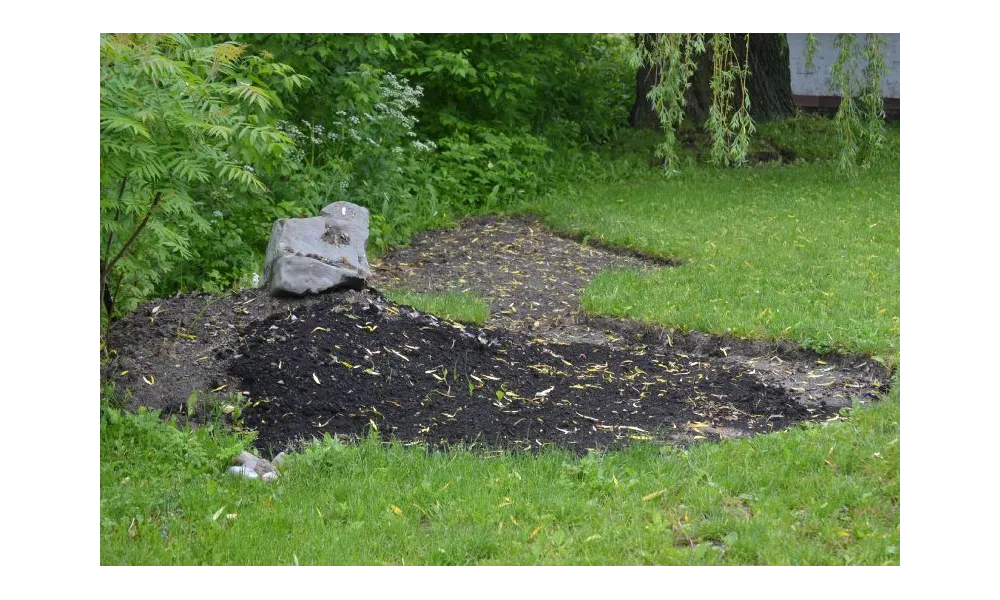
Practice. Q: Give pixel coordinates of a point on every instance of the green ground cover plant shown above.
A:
(457, 306)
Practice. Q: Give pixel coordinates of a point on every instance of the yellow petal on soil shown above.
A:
(316, 379)
(220, 388)
(150, 380)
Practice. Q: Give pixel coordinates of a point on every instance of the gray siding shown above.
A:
(816, 82)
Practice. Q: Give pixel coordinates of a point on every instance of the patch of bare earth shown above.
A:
(538, 373)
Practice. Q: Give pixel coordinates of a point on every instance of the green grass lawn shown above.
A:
(822, 495)
(798, 252)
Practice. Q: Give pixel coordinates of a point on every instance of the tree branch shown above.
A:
(118, 213)
(138, 230)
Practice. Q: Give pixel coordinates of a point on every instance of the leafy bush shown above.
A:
(184, 129)
(206, 140)
(368, 153)
(482, 169)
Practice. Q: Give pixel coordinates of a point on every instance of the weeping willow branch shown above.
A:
(861, 117)
(730, 129)
(872, 107)
(673, 57)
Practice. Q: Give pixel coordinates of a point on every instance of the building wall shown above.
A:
(816, 82)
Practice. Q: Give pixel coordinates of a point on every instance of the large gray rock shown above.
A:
(313, 255)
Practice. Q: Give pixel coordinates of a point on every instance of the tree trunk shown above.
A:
(642, 115)
(769, 83)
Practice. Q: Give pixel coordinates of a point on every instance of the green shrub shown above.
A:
(185, 128)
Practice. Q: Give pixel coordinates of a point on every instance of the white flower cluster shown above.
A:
(313, 133)
(385, 122)
(423, 146)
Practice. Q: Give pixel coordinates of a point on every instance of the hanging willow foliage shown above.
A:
(860, 120)
(730, 129)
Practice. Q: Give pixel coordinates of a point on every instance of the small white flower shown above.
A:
(256, 280)
(217, 213)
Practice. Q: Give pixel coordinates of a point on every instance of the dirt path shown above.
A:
(539, 372)
(531, 278)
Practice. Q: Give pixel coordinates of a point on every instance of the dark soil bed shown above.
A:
(538, 373)
(415, 377)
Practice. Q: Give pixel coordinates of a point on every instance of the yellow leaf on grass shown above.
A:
(653, 495)
(397, 510)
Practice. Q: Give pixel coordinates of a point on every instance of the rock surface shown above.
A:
(316, 254)
(251, 467)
